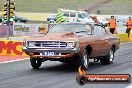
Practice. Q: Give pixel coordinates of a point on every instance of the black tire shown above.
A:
(52, 22)
(108, 59)
(84, 60)
(35, 63)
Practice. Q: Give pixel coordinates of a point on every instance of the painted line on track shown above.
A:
(14, 61)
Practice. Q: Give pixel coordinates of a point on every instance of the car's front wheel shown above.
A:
(35, 63)
(84, 60)
(108, 59)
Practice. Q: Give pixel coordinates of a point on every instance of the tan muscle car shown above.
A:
(72, 42)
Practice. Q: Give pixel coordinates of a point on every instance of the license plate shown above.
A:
(49, 53)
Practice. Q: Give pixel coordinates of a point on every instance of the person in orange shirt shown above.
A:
(112, 25)
(129, 26)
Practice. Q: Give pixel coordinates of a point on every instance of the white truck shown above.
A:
(65, 15)
(74, 16)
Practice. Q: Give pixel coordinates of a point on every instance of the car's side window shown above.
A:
(72, 14)
(80, 16)
(98, 30)
(66, 14)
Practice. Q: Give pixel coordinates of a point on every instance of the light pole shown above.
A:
(9, 13)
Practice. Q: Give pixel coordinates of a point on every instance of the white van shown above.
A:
(76, 16)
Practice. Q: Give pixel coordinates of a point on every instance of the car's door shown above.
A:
(89, 39)
(101, 41)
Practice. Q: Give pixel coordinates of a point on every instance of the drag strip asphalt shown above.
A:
(58, 75)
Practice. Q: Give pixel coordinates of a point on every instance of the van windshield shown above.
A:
(85, 15)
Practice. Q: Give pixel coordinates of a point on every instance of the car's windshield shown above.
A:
(85, 15)
(76, 28)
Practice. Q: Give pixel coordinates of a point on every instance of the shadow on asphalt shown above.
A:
(70, 68)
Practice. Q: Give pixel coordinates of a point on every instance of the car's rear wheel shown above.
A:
(84, 60)
(108, 59)
(35, 63)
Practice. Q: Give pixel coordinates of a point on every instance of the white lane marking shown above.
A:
(130, 86)
(14, 60)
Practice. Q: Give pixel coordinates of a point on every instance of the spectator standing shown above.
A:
(129, 26)
(112, 25)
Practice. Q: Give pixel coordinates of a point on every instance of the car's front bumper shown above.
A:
(74, 50)
(61, 53)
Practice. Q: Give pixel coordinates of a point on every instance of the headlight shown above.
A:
(70, 45)
(31, 44)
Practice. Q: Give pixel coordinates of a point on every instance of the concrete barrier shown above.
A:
(131, 36)
(124, 37)
(11, 48)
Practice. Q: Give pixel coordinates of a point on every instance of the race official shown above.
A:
(129, 26)
(112, 25)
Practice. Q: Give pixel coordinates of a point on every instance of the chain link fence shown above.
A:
(21, 30)
(5, 31)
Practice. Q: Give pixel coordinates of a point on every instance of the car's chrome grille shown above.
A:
(50, 44)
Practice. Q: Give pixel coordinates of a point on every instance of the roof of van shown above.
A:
(67, 10)
(76, 23)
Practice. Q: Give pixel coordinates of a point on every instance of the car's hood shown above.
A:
(56, 36)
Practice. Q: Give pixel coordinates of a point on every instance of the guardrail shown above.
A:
(11, 48)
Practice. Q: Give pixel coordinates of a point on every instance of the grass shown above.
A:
(113, 7)
(118, 7)
(49, 5)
